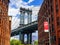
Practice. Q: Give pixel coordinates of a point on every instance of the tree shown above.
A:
(36, 42)
(15, 42)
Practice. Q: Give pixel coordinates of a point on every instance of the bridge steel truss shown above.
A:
(27, 29)
(23, 13)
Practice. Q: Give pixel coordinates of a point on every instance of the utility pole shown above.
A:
(48, 29)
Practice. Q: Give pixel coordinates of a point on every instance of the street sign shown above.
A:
(46, 26)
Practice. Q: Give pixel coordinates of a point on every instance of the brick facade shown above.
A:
(4, 23)
(50, 9)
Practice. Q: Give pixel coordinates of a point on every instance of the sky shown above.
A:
(14, 10)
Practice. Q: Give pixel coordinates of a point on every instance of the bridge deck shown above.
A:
(29, 28)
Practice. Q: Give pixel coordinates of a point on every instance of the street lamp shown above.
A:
(48, 29)
(10, 18)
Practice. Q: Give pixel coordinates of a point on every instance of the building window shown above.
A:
(52, 28)
(49, 20)
(56, 6)
(51, 8)
(59, 41)
(47, 43)
(48, 3)
(53, 39)
(58, 21)
(52, 18)
(0, 10)
(0, 20)
(51, 1)
(45, 4)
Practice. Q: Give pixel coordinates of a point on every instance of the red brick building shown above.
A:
(4, 23)
(49, 9)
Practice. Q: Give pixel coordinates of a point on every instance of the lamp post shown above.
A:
(10, 18)
(48, 29)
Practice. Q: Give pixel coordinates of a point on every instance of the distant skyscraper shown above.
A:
(4, 23)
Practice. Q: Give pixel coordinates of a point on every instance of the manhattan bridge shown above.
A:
(23, 28)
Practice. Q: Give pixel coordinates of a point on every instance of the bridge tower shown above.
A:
(23, 12)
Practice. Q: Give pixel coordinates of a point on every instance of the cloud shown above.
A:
(14, 11)
(30, 1)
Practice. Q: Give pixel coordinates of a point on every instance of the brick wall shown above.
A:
(50, 9)
(4, 23)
